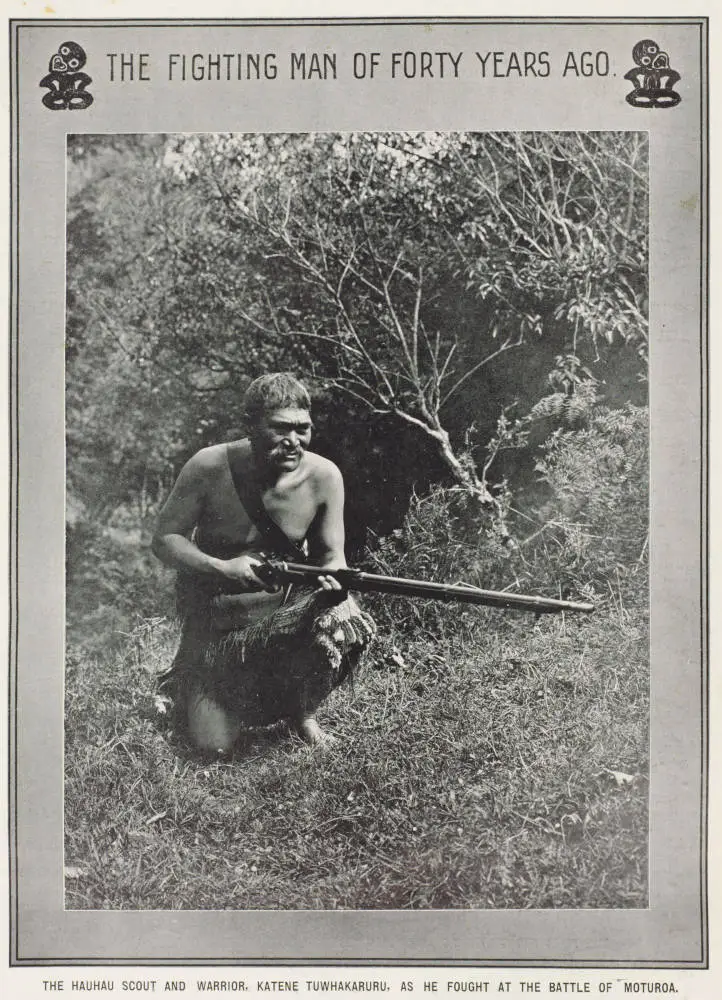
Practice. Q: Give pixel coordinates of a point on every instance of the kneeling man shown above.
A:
(249, 654)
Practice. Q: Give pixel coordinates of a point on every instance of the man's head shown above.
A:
(277, 391)
(278, 414)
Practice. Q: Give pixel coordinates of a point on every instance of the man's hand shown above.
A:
(347, 625)
(242, 570)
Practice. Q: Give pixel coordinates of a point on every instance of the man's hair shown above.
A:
(274, 392)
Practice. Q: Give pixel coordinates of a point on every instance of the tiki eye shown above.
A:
(645, 60)
(73, 63)
(64, 50)
(653, 49)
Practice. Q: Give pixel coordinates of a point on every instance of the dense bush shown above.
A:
(445, 536)
(591, 509)
(595, 525)
(112, 579)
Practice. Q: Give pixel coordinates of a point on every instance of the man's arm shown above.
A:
(180, 515)
(327, 537)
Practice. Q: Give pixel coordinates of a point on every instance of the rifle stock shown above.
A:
(358, 580)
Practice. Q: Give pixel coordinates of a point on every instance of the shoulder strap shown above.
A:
(250, 496)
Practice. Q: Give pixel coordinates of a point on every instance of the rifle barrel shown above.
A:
(356, 579)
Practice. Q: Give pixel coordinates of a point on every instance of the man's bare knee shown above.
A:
(210, 726)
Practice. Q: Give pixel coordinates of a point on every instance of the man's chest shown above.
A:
(292, 506)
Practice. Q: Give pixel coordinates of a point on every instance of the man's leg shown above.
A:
(309, 730)
(210, 726)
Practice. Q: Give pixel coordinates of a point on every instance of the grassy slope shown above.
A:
(505, 767)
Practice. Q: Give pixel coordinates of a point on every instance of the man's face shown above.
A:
(280, 438)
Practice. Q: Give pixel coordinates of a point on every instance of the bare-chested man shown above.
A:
(205, 532)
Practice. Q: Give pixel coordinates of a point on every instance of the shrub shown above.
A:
(112, 578)
(595, 520)
(590, 508)
(448, 538)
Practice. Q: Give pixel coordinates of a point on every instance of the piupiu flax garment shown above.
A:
(283, 665)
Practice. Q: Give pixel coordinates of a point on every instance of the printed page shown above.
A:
(477, 761)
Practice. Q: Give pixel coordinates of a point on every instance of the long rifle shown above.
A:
(279, 571)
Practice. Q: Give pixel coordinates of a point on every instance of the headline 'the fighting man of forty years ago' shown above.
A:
(199, 67)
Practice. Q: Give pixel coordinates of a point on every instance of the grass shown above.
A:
(493, 763)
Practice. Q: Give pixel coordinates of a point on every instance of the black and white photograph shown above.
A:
(359, 467)
(448, 330)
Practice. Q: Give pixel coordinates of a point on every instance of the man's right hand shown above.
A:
(241, 570)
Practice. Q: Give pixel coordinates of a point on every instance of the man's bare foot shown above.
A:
(310, 731)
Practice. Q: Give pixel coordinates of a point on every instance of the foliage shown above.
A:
(111, 575)
(595, 525)
(369, 255)
(591, 541)
(441, 538)
(400, 269)
(572, 211)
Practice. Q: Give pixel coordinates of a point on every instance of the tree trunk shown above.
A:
(462, 472)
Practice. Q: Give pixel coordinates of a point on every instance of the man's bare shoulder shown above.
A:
(324, 472)
(208, 460)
